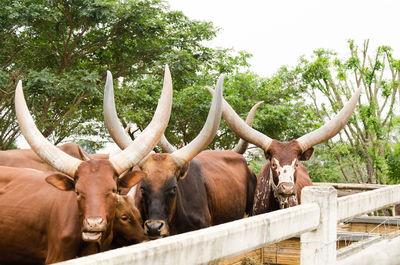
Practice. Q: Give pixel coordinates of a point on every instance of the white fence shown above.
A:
(315, 220)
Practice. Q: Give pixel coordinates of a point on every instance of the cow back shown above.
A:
(39, 223)
(230, 184)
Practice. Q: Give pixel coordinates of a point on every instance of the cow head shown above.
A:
(95, 181)
(159, 189)
(128, 225)
(284, 157)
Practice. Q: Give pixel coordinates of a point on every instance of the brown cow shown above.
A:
(27, 158)
(40, 224)
(127, 228)
(284, 176)
(96, 182)
(182, 194)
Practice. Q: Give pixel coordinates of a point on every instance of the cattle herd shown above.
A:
(58, 203)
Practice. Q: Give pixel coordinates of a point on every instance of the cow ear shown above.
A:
(307, 154)
(183, 172)
(84, 156)
(131, 178)
(268, 155)
(60, 181)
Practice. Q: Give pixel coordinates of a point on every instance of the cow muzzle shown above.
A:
(155, 229)
(286, 195)
(93, 228)
(286, 189)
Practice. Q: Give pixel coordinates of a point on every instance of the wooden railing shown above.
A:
(315, 220)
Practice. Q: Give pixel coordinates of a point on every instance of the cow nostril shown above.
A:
(160, 227)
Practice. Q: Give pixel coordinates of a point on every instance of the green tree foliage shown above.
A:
(61, 50)
(362, 148)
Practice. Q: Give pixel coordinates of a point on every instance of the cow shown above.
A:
(95, 181)
(40, 224)
(127, 229)
(281, 179)
(27, 158)
(187, 190)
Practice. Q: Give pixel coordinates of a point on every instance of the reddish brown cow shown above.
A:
(180, 193)
(96, 182)
(127, 227)
(40, 224)
(27, 158)
(283, 176)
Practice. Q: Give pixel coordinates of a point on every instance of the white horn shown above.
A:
(166, 146)
(207, 133)
(119, 135)
(331, 128)
(240, 128)
(42, 147)
(146, 141)
(242, 145)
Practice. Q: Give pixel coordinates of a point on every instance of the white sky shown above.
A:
(278, 32)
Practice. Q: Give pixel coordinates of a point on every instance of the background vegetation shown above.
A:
(61, 50)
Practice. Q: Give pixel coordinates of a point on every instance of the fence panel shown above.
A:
(216, 242)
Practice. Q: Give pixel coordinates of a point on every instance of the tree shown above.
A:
(61, 50)
(361, 147)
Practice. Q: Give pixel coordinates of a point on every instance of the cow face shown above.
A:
(96, 184)
(128, 226)
(285, 160)
(159, 191)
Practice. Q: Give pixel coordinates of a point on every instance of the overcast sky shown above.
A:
(278, 32)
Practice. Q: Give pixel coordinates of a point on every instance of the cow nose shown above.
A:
(94, 223)
(287, 189)
(154, 227)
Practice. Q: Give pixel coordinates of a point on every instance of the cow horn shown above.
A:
(119, 135)
(42, 147)
(146, 141)
(207, 133)
(166, 146)
(242, 145)
(240, 128)
(331, 128)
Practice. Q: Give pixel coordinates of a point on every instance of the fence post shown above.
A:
(319, 246)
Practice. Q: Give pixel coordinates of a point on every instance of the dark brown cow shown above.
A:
(284, 176)
(40, 224)
(96, 181)
(180, 193)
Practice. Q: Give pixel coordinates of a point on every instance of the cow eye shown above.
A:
(297, 165)
(114, 190)
(124, 217)
(77, 193)
(172, 190)
(273, 166)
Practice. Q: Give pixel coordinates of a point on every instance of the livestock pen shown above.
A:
(315, 220)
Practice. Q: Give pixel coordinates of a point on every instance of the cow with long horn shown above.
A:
(127, 224)
(184, 190)
(96, 181)
(281, 179)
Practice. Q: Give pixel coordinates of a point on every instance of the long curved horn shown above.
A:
(242, 145)
(240, 128)
(42, 147)
(166, 146)
(146, 141)
(331, 128)
(120, 137)
(207, 133)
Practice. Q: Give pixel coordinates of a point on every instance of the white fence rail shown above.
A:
(315, 220)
